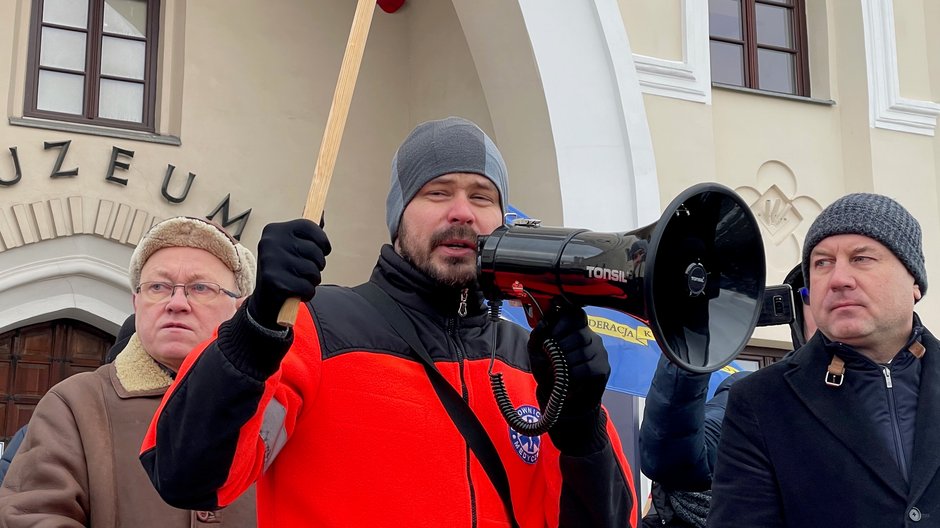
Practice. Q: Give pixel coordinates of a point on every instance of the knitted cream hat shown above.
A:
(184, 231)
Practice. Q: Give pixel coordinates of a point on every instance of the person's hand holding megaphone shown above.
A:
(580, 429)
(291, 256)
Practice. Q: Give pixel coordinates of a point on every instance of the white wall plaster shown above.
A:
(606, 166)
(887, 109)
(690, 78)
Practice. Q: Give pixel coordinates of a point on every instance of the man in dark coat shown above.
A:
(844, 432)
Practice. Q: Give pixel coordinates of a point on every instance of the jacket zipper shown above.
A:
(462, 307)
(895, 426)
(452, 324)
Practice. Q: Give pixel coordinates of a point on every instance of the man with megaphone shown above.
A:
(375, 409)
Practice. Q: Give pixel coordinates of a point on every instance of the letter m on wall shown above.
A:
(241, 220)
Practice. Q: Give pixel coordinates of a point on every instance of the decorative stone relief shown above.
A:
(57, 217)
(783, 214)
(776, 213)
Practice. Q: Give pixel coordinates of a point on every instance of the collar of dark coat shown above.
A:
(413, 288)
(137, 374)
(911, 351)
(839, 412)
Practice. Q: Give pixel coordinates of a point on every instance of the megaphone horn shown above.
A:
(696, 276)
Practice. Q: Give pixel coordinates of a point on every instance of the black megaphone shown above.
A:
(696, 277)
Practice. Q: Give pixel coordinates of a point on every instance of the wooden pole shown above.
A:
(335, 124)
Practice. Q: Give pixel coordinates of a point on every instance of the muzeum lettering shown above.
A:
(121, 161)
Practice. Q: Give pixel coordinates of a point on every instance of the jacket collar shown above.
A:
(858, 361)
(136, 373)
(838, 410)
(411, 287)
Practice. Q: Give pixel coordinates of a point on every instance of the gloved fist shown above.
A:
(588, 368)
(291, 256)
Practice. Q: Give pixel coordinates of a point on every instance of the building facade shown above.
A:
(124, 112)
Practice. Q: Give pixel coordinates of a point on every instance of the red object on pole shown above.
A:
(390, 6)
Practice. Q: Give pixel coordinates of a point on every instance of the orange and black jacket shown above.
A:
(340, 426)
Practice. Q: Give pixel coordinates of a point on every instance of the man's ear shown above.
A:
(239, 301)
(917, 293)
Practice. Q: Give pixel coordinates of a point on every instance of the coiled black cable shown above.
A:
(556, 399)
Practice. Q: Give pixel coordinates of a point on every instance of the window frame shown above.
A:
(749, 43)
(93, 44)
(763, 356)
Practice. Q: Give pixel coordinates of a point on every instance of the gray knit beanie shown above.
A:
(877, 217)
(436, 148)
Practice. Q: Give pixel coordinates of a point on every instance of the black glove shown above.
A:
(291, 256)
(580, 429)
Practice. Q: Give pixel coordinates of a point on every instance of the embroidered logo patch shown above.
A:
(527, 447)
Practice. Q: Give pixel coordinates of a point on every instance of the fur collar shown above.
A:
(137, 371)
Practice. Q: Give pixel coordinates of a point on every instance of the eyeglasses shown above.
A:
(199, 292)
(804, 294)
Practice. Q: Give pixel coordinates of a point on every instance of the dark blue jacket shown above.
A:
(680, 431)
(10, 451)
(798, 452)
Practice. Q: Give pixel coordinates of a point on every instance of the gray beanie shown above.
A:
(199, 233)
(877, 217)
(436, 148)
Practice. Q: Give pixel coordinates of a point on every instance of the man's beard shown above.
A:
(455, 272)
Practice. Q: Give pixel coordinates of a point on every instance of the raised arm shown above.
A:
(227, 414)
(677, 449)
